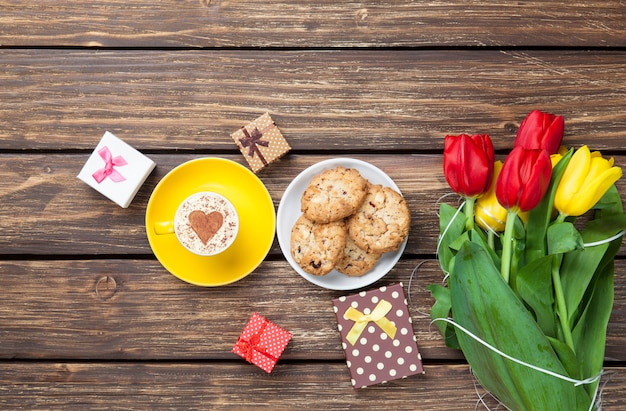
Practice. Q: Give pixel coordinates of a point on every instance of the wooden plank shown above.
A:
(344, 100)
(182, 385)
(219, 23)
(37, 190)
(135, 310)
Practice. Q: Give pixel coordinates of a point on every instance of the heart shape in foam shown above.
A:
(205, 225)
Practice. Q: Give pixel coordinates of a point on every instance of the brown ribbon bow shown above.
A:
(252, 141)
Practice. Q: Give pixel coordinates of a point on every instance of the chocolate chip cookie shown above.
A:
(381, 224)
(316, 247)
(356, 261)
(333, 195)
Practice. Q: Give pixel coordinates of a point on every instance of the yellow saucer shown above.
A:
(257, 221)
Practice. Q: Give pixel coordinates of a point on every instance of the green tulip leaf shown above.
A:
(590, 332)
(486, 306)
(577, 271)
(451, 226)
(534, 286)
(563, 238)
(579, 267)
(567, 357)
(441, 309)
(519, 231)
(478, 237)
(456, 244)
(516, 261)
(587, 277)
(610, 203)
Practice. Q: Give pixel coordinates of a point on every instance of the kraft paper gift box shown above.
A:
(261, 142)
(262, 342)
(377, 336)
(116, 170)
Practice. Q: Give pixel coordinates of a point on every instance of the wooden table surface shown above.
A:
(89, 319)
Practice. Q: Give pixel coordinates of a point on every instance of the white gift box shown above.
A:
(116, 170)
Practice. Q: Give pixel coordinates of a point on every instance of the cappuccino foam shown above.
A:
(194, 237)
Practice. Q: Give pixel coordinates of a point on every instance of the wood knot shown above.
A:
(510, 128)
(106, 287)
(360, 18)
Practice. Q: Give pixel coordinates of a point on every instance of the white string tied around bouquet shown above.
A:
(606, 240)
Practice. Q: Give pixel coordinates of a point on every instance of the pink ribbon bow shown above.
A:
(109, 163)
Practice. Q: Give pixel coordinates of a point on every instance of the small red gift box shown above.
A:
(262, 342)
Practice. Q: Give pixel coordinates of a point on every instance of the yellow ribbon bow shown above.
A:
(361, 320)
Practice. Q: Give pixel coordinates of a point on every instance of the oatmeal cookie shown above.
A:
(333, 195)
(356, 261)
(316, 247)
(382, 222)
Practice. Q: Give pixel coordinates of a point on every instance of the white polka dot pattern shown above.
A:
(375, 357)
(261, 142)
(262, 342)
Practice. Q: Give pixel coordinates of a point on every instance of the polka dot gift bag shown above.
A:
(377, 336)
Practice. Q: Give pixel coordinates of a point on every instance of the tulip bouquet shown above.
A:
(528, 263)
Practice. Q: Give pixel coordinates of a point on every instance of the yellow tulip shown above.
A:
(488, 213)
(585, 180)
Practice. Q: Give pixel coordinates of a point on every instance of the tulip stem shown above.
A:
(560, 301)
(469, 213)
(491, 240)
(507, 246)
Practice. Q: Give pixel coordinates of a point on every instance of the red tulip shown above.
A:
(540, 131)
(468, 163)
(524, 179)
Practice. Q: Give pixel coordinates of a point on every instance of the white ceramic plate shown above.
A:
(289, 212)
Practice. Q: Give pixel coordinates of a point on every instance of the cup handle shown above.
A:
(164, 227)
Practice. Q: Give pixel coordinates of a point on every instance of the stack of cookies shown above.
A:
(347, 223)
